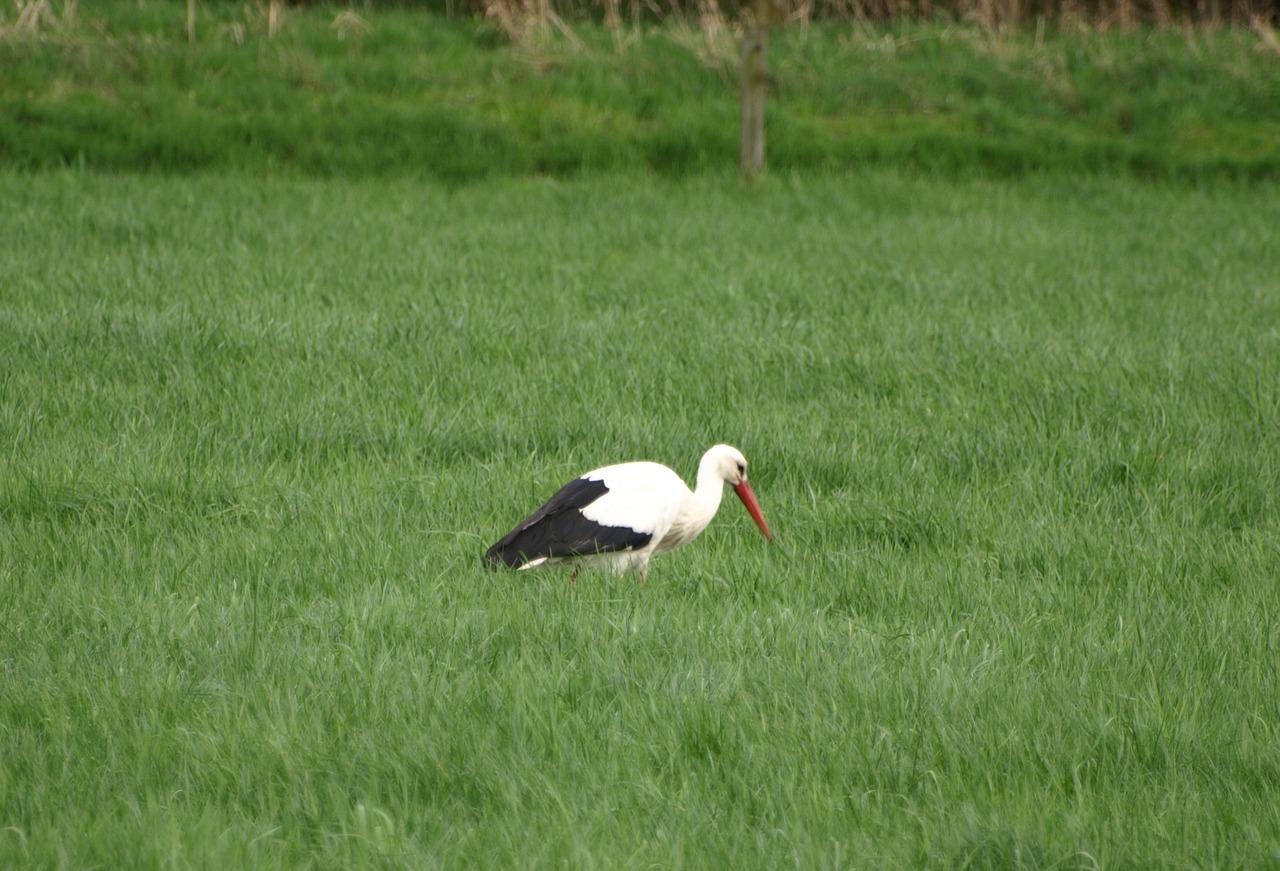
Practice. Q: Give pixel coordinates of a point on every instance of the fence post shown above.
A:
(755, 84)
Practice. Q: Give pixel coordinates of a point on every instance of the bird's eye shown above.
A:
(742, 470)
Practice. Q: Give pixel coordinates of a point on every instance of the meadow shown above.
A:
(299, 315)
(347, 92)
(1019, 441)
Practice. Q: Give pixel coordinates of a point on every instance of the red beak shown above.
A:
(749, 499)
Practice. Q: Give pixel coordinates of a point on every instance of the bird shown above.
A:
(618, 517)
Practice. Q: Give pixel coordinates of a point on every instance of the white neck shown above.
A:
(710, 488)
(699, 508)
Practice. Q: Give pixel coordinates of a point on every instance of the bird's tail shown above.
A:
(499, 556)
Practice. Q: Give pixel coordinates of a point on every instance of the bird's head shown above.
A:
(729, 463)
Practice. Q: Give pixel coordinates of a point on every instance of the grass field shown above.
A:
(115, 85)
(1019, 441)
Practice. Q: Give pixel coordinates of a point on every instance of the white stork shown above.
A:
(620, 516)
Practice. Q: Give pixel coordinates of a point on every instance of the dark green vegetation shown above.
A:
(1020, 442)
(114, 85)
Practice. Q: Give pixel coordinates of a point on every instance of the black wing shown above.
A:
(559, 528)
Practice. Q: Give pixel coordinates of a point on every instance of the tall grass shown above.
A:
(1018, 442)
(324, 93)
(991, 14)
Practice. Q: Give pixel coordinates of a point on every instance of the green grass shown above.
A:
(114, 85)
(1019, 441)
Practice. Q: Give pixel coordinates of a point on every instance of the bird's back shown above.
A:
(614, 508)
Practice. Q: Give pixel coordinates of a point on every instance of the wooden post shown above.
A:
(755, 82)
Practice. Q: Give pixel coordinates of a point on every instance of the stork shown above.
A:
(620, 516)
